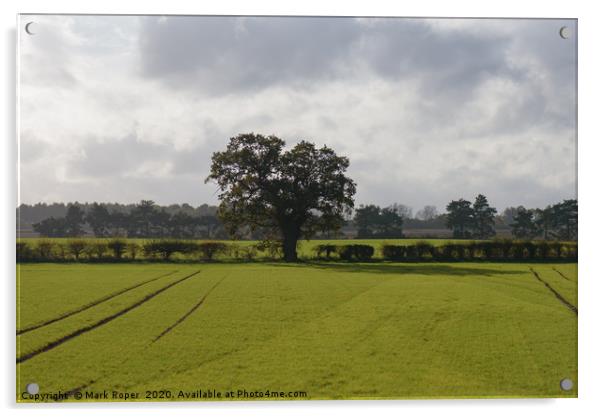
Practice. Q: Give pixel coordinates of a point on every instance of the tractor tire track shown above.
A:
(101, 322)
(104, 375)
(561, 274)
(188, 313)
(90, 305)
(556, 293)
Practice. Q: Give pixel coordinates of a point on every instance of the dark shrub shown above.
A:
(555, 249)
(44, 249)
(325, 250)
(272, 247)
(248, 252)
(165, 248)
(76, 247)
(506, 248)
(24, 251)
(519, 250)
(444, 252)
(393, 252)
(471, 249)
(542, 249)
(569, 250)
(530, 249)
(355, 252)
(118, 247)
(363, 252)
(60, 250)
(132, 250)
(99, 248)
(345, 252)
(411, 253)
(452, 252)
(486, 250)
(242, 252)
(209, 249)
(90, 251)
(424, 249)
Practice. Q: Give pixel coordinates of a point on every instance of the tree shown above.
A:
(74, 220)
(565, 219)
(118, 223)
(391, 223)
(405, 212)
(76, 247)
(51, 227)
(508, 215)
(141, 219)
(98, 218)
(524, 227)
(210, 224)
(545, 221)
(460, 217)
(293, 193)
(427, 213)
(366, 219)
(118, 246)
(372, 221)
(483, 218)
(160, 223)
(181, 225)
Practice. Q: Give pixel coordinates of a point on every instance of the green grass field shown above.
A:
(332, 330)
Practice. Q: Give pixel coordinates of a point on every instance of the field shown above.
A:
(329, 330)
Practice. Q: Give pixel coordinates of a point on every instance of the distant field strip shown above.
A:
(556, 293)
(90, 305)
(101, 322)
(189, 312)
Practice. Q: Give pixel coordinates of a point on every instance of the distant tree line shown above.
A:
(466, 220)
(558, 221)
(375, 222)
(144, 219)
(476, 220)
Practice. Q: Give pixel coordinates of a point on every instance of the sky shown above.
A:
(124, 108)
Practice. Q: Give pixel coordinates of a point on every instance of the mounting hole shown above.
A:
(564, 32)
(30, 28)
(566, 384)
(32, 388)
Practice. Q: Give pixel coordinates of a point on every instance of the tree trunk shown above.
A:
(289, 246)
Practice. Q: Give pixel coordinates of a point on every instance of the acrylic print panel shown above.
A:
(296, 208)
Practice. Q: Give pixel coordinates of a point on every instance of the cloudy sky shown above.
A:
(123, 108)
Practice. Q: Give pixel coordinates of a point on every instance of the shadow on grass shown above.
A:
(404, 269)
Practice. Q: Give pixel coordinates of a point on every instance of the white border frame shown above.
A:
(589, 202)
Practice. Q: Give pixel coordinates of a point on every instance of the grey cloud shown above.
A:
(105, 158)
(228, 53)
(412, 48)
(231, 54)
(32, 148)
(211, 55)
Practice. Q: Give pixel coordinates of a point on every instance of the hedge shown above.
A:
(121, 250)
(496, 250)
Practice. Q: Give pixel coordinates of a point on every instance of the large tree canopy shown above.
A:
(291, 193)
